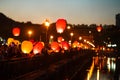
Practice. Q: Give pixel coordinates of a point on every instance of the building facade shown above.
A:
(118, 20)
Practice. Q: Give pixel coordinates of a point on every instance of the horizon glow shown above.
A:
(74, 11)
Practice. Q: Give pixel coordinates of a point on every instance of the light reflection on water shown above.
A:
(111, 64)
(90, 71)
(101, 68)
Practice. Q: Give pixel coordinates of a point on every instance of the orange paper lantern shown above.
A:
(16, 31)
(26, 47)
(60, 25)
(9, 41)
(38, 48)
(75, 44)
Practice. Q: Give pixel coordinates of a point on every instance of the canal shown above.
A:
(100, 68)
(78, 66)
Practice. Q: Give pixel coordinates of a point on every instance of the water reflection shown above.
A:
(98, 74)
(90, 71)
(111, 65)
(102, 68)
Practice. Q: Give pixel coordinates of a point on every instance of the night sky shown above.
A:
(74, 11)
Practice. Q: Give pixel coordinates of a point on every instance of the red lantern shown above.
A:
(55, 46)
(38, 48)
(60, 39)
(60, 25)
(16, 31)
(65, 45)
(99, 28)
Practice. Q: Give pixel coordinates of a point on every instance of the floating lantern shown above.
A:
(38, 48)
(65, 45)
(99, 28)
(16, 31)
(9, 41)
(60, 25)
(60, 39)
(75, 44)
(55, 46)
(26, 47)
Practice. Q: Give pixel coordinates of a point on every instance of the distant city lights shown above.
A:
(112, 45)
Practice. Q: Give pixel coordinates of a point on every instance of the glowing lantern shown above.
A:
(16, 31)
(9, 41)
(60, 25)
(26, 47)
(65, 45)
(55, 46)
(99, 28)
(16, 42)
(75, 44)
(60, 39)
(38, 48)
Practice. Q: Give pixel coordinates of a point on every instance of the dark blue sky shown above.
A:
(74, 11)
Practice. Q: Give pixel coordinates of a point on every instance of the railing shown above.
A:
(19, 66)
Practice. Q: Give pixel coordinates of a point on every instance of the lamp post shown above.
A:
(51, 38)
(30, 33)
(99, 30)
(71, 34)
(80, 38)
(47, 24)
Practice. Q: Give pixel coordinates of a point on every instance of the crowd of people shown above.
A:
(10, 51)
(14, 51)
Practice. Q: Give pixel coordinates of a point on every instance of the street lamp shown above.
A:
(71, 34)
(80, 38)
(30, 33)
(47, 24)
(68, 27)
(51, 39)
(85, 40)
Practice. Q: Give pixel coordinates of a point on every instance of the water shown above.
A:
(102, 68)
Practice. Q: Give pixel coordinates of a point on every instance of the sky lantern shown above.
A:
(16, 31)
(60, 39)
(75, 44)
(99, 28)
(65, 45)
(38, 48)
(9, 41)
(26, 47)
(60, 25)
(55, 46)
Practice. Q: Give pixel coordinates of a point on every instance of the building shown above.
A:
(118, 20)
